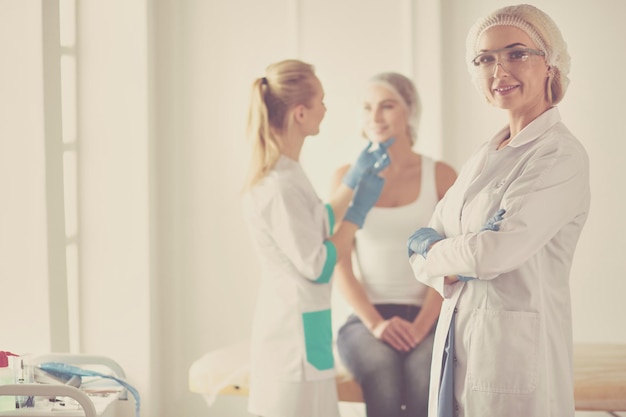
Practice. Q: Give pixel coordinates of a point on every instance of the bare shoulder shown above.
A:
(445, 176)
(338, 175)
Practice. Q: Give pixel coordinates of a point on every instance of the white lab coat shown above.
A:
(292, 369)
(513, 349)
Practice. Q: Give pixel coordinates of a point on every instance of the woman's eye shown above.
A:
(517, 55)
(484, 60)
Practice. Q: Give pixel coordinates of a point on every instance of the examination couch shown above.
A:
(599, 376)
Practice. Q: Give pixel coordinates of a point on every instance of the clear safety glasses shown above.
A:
(511, 60)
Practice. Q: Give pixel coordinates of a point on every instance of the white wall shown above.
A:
(117, 318)
(23, 231)
(166, 275)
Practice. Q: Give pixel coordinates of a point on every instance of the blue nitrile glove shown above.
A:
(491, 225)
(421, 239)
(367, 160)
(365, 196)
(464, 278)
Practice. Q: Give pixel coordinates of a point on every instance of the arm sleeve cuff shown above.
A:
(329, 265)
(331, 219)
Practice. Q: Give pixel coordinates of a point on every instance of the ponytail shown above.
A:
(265, 149)
(287, 84)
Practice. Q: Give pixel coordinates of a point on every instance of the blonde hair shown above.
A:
(286, 84)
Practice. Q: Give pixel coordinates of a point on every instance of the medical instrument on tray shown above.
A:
(63, 369)
(24, 375)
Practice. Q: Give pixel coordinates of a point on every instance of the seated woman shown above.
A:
(387, 342)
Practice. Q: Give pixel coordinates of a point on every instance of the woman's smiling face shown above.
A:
(521, 88)
(385, 114)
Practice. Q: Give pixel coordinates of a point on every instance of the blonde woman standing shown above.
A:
(292, 367)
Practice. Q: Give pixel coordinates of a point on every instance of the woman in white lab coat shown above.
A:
(503, 345)
(292, 371)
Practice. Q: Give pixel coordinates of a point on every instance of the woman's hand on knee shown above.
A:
(397, 333)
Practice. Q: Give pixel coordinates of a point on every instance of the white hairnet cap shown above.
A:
(541, 29)
(404, 88)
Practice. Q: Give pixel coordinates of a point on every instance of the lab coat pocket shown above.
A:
(318, 339)
(503, 351)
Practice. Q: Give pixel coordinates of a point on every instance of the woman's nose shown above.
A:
(376, 115)
(499, 70)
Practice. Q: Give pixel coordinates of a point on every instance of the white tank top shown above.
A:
(381, 251)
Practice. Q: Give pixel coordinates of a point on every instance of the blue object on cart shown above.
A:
(60, 369)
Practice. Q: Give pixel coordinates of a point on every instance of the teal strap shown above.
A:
(331, 218)
(329, 265)
(60, 369)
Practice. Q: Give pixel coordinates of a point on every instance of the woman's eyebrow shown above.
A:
(508, 46)
(385, 101)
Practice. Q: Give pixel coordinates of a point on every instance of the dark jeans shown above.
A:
(395, 384)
